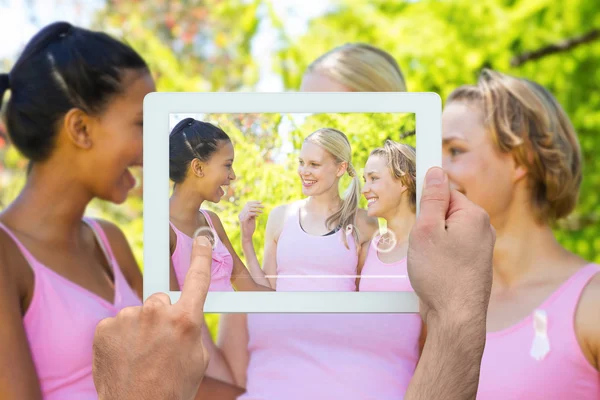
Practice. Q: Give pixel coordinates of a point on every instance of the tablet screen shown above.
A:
(306, 202)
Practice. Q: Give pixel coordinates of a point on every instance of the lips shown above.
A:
(308, 182)
(129, 179)
(371, 201)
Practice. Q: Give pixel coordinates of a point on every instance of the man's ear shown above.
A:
(78, 127)
(197, 167)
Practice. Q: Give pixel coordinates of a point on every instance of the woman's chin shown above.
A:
(374, 212)
(117, 197)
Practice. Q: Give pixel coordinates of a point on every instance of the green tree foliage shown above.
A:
(191, 45)
(443, 44)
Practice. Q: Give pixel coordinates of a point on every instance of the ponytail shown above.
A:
(345, 217)
(337, 144)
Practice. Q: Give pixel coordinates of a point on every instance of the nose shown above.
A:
(365, 189)
(232, 175)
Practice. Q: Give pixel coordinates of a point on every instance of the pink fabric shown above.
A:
(377, 276)
(327, 356)
(509, 371)
(222, 265)
(314, 263)
(61, 321)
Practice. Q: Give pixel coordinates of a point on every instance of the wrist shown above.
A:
(459, 322)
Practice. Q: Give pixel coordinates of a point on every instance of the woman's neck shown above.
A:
(185, 203)
(525, 249)
(401, 222)
(50, 206)
(324, 204)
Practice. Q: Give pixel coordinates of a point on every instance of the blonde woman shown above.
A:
(510, 147)
(318, 235)
(391, 192)
(354, 67)
(320, 356)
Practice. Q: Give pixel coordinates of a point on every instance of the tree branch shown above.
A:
(561, 46)
(404, 135)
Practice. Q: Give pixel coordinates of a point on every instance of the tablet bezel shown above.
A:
(158, 106)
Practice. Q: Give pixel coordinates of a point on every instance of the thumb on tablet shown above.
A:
(197, 279)
(435, 200)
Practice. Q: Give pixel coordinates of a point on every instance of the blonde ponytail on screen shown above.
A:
(337, 144)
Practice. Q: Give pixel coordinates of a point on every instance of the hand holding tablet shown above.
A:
(450, 253)
(155, 351)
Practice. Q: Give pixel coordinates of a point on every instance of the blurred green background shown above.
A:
(258, 45)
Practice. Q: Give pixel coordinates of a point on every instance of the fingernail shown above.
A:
(435, 176)
(202, 241)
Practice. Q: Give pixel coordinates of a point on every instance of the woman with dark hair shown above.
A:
(75, 112)
(201, 159)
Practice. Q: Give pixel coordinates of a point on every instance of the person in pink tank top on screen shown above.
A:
(511, 148)
(200, 163)
(201, 159)
(75, 112)
(391, 193)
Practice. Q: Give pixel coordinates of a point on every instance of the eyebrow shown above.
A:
(447, 140)
(315, 161)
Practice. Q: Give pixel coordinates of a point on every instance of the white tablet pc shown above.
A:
(266, 131)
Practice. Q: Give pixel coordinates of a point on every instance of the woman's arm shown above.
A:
(18, 377)
(240, 277)
(173, 284)
(211, 388)
(275, 223)
(247, 220)
(362, 256)
(217, 367)
(587, 322)
(125, 258)
(233, 343)
(258, 275)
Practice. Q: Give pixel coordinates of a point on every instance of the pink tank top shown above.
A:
(377, 276)
(540, 357)
(314, 263)
(222, 265)
(61, 321)
(326, 356)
